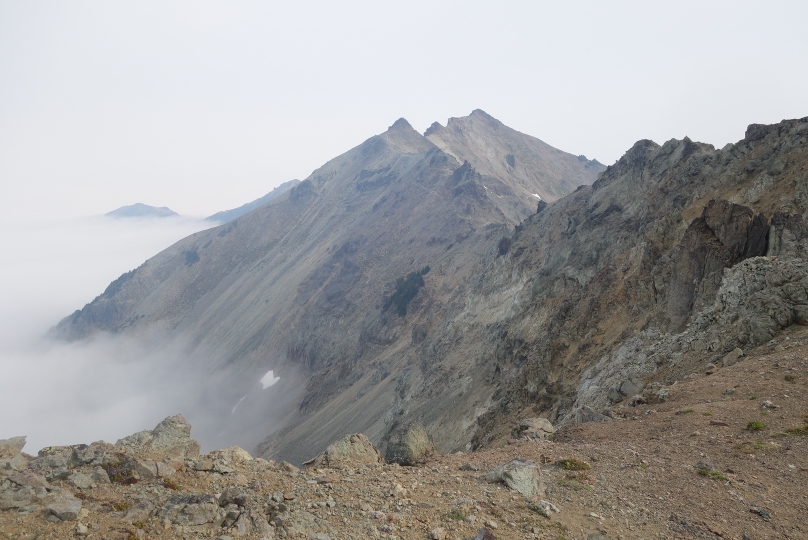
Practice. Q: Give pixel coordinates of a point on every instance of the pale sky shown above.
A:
(202, 106)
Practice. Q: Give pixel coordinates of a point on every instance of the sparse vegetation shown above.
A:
(571, 464)
(755, 425)
(712, 474)
(539, 509)
(119, 473)
(802, 430)
(170, 484)
(120, 506)
(457, 514)
(686, 411)
(790, 378)
(707, 413)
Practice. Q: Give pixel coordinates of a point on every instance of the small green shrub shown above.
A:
(790, 378)
(456, 514)
(709, 473)
(707, 413)
(754, 425)
(571, 464)
(686, 411)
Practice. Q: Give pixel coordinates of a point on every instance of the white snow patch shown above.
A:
(237, 404)
(537, 195)
(269, 379)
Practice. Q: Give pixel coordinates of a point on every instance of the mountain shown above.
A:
(397, 284)
(140, 210)
(319, 285)
(226, 216)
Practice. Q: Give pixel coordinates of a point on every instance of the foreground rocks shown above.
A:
(635, 476)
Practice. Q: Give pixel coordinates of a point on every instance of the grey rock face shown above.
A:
(409, 445)
(521, 475)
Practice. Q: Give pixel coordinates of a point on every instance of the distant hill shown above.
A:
(229, 215)
(140, 210)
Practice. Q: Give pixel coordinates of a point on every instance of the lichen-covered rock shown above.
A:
(351, 449)
(520, 475)
(409, 445)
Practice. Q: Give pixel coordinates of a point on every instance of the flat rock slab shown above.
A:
(351, 449)
(65, 508)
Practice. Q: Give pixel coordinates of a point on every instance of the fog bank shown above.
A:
(110, 386)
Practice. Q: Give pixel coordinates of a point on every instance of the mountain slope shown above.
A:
(531, 167)
(299, 286)
(226, 216)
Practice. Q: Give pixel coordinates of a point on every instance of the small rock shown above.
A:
(729, 391)
(438, 533)
(536, 428)
(769, 405)
(82, 529)
(762, 512)
(732, 357)
(719, 423)
(710, 368)
(468, 467)
(65, 508)
(80, 480)
(521, 475)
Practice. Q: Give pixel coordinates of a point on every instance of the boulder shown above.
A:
(11, 447)
(65, 508)
(631, 387)
(141, 511)
(350, 450)
(172, 437)
(28, 478)
(520, 475)
(17, 498)
(409, 445)
(195, 509)
(536, 428)
(732, 357)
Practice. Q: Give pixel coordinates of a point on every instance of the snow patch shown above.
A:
(268, 380)
(537, 195)
(233, 411)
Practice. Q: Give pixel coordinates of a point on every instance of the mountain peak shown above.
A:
(404, 137)
(401, 123)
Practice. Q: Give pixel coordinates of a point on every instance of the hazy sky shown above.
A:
(202, 106)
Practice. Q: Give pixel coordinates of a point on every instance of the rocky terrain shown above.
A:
(723, 453)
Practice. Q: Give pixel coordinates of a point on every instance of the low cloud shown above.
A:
(110, 386)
